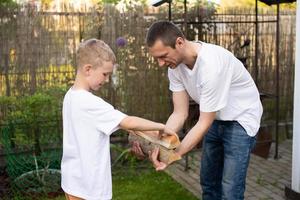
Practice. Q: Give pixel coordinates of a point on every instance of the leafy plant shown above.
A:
(31, 118)
(123, 156)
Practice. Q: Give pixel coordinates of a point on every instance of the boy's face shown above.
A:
(166, 55)
(98, 76)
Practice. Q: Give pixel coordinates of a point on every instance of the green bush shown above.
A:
(31, 136)
(33, 119)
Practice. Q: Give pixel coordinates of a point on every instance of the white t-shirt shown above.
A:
(220, 83)
(88, 122)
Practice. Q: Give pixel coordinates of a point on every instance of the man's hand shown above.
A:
(137, 150)
(167, 131)
(153, 156)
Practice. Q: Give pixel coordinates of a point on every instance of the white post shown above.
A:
(296, 123)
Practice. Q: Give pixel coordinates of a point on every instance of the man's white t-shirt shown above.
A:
(220, 83)
(88, 122)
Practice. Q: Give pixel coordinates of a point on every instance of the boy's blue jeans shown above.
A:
(225, 159)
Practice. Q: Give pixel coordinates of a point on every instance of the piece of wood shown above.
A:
(165, 155)
(168, 141)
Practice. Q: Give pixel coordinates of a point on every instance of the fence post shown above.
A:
(296, 129)
(11, 129)
(293, 192)
(6, 74)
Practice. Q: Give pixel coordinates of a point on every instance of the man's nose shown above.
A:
(161, 62)
(107, 79)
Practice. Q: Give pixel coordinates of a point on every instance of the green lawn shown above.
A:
(147, 185)
(136, 184)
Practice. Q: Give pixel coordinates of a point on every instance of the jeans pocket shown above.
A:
(253, 142)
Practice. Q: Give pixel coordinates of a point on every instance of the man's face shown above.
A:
(98, 76)
(166, 55)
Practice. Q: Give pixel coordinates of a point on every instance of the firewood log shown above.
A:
(148, 143)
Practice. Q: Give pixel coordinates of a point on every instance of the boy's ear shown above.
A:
(87, 69)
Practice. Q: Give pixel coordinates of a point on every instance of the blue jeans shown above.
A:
(225, 159)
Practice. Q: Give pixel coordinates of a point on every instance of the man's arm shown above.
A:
(192, 138)
(180, 112)
(195, 135)
(176, 119)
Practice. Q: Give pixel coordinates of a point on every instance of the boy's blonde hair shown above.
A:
(94, 52)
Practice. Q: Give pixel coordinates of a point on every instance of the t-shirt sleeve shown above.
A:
(106, 118)
(214, 91)
(176, 84)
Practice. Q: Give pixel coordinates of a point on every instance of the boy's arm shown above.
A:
(175, 121)
(180, 112)
(140, 124)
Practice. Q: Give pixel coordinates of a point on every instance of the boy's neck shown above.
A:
(80, 83)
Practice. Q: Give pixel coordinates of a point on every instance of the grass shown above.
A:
(146, 184)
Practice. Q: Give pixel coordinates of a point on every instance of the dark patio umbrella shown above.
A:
(273, 2)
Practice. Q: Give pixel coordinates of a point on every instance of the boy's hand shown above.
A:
(137, 150)
(153, 156)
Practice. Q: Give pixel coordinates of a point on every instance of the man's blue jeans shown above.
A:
(225, 159)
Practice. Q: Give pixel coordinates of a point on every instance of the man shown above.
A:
(229, 103)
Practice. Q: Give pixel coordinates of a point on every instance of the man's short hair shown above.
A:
(165, 31)
(94, 52)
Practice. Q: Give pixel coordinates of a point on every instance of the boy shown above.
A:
(88, 122)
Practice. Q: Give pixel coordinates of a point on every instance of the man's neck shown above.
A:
(191, 54)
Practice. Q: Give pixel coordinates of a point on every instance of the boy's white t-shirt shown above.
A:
(220, 83)
(88, 122)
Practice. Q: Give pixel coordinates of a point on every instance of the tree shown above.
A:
(7, 3)
(251, 3)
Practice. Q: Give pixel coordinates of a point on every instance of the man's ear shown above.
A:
(87, 69)
(179, 42)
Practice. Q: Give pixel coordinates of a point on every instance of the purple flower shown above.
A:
(121, 42)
